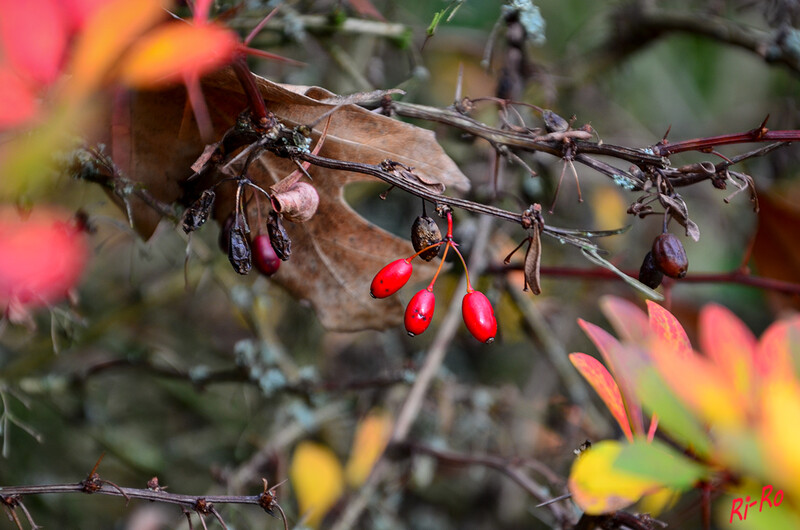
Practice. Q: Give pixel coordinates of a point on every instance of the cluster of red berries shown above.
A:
(476, 309)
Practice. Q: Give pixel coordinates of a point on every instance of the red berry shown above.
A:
(420, 312)
(479, 316)
(264, 256)
(390, 279)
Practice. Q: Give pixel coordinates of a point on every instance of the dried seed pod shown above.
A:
(553, 122)
(533, 262)
(239, 250)
(196, 215)
(299, 203)
(670, 256)
(424, 233)
(280, 240)
(649, 274)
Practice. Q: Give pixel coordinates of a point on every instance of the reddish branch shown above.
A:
(734, 277)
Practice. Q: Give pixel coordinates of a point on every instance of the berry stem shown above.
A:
(466, 270)
(444, 255)
(408, 259)
(449, 235)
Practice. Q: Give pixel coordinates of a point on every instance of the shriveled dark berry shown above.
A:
(281, 243)
(239, 250)
(670, 256)
(649, 273)
(424, 233)
(197, 214)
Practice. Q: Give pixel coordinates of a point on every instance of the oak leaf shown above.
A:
(336, 253)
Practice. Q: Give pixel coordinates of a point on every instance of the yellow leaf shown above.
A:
(597, 487)
(372, 435)
(316, 476)
(779, 432)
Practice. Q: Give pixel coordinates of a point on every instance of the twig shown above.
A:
(509, 467)
(200, 503)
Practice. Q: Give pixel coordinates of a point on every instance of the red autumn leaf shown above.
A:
(610, 349)
(42, 257)
(178, 51)
(33, 36)
(630, 322)
(667, 328)
(605, 386)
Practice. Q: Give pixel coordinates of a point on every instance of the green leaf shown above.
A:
(673, 417)
(659, 462)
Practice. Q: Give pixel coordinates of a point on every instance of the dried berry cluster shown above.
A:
(476, 309)
(666, 257)
(266, 250)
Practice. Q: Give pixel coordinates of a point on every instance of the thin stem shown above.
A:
(408, 259)
(466, 269)
(441, 263)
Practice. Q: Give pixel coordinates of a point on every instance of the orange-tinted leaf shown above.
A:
(317, 481)
(77, 12)
(667, 328)
(33, 38)
(702, 387)
(728, 342)
(42, 257)
(629, 321)
(779, 349)
(605, 386)
(176, 51)
(107, 33)
(372, 435)
(618, 359)
(597, 486)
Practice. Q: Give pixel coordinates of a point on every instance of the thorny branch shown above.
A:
(11, 497)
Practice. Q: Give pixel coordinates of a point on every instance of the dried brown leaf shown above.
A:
(335, 253)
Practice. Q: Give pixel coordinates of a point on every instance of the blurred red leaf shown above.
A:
(19, 101)
(41, 256)
(33, 36)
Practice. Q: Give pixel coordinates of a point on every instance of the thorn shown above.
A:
(459, 82)
(261, 25)
(577, 182)
(551, 501)
(558, 187)
(664, 138)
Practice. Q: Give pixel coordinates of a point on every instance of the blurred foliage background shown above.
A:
(211, 383)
